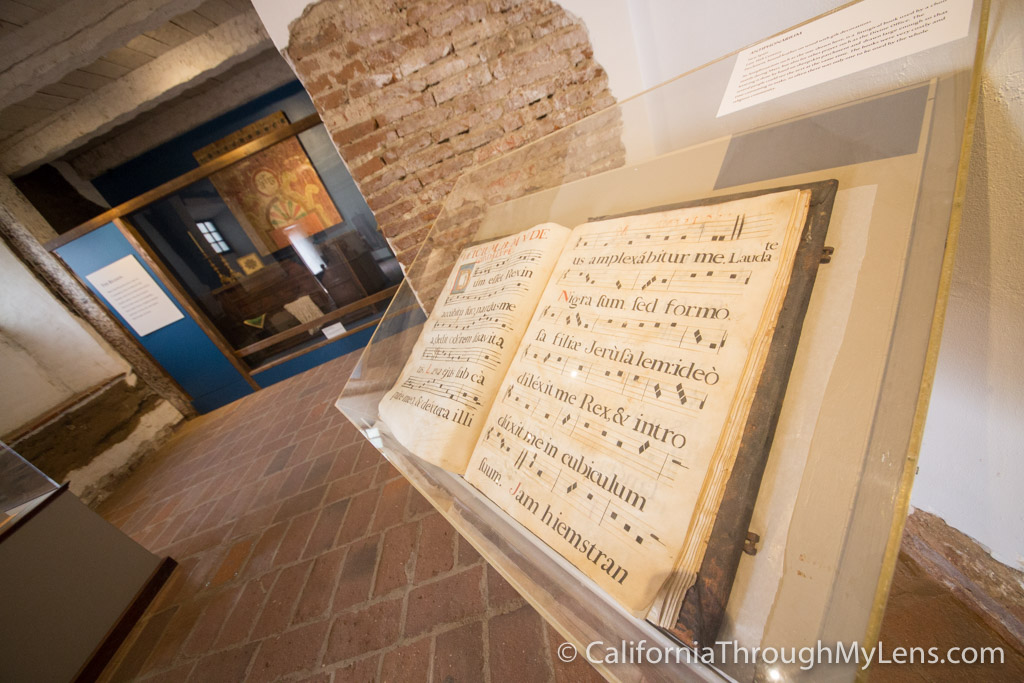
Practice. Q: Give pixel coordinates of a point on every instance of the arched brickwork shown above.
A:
(415, 92)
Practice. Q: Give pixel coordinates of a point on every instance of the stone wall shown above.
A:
(415, 93)
(95, 441)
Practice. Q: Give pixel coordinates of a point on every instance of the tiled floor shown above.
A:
(304, 556)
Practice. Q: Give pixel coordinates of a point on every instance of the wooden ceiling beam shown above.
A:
(73, 35)
(241, 84)
(160, 80)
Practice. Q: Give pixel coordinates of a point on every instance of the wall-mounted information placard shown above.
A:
(850, 40)
(135, 295)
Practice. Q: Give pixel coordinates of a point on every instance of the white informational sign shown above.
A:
(135, 295)
(335, 330)
(862, 36)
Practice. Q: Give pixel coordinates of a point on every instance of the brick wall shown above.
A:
(416, 92)
(586, 148)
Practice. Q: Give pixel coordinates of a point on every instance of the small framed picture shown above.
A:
(250, 263)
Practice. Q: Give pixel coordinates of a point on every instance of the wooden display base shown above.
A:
(72, 588)
(106, 650)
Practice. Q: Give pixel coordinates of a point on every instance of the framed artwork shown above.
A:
(272, 189)
(250, 263)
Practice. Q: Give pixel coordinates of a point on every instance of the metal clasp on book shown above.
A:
(750, 543)
(826, 254)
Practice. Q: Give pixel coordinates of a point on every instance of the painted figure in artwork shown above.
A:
(273, 189)
(283, 207)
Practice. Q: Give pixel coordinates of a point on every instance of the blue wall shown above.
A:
(314, 358)
(173, 158)
(181, 348)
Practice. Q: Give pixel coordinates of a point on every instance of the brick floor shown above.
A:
(304, 556)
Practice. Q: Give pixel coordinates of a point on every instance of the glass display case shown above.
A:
(828, 518)
(22, 486)
(72, 585)
(267, 252)
(273, 247)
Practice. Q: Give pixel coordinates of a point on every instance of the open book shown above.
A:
(594, 383)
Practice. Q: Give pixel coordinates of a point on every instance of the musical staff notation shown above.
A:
(672, 232)
(675, 396)
(462, 354)
(670, 333)
(581, 495)
(504, 263)
(498, 320)
(721, 281)
(645, 456)
(453, 389)
(516, 289)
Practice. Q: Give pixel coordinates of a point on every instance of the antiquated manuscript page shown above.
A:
(438, 404)
(611, 435)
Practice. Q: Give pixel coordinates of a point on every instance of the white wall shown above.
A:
(277, 14)
(972, 458)
(673, 36)
(46, 355)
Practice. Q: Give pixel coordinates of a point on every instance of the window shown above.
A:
(213, 236)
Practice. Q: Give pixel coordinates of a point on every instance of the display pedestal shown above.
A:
(72, 587)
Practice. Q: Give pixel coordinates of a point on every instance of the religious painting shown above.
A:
(272, 190)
